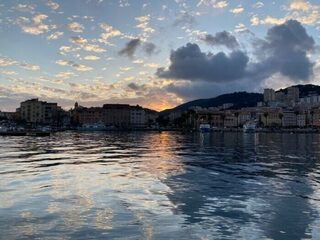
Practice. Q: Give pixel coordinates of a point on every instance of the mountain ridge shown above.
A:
(240, 99)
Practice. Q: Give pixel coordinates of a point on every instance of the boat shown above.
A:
(249, 127)
(11, 131)
(93, 127)
(204, 127)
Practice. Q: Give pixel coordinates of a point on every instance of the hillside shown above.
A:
(305, 90)
(241, 99)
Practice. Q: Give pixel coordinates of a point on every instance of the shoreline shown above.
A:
(216, 130)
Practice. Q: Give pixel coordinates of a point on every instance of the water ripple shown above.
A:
(142, 185)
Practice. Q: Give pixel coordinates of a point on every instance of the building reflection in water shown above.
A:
(256, 182)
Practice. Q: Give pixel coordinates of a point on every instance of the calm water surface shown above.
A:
(142, 185)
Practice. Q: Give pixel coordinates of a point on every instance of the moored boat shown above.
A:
(93, 127)
(204, 127)
(249, 127)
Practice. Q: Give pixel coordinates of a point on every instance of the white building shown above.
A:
(269, 95)
(289, 118)
(302, 120)
(137, 117)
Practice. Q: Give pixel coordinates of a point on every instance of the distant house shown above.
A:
(35, 111)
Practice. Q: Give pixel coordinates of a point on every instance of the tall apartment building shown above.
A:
(137, 117)
(269, 95)
(116, 115)
(293, 94)
(35, 111)
(90, 115)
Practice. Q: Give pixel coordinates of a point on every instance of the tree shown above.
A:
(296, 113)
(236, 114)
(281, 117)
(312, 114)
(223, 117)
(266, 114)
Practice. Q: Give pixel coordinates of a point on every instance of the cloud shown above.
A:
(5, 61)
(124, 3)
(66, 49)
(213, 3)
(183, 18)
(52, 5)
(9, 72)
(55, 36)
(93, 48)
(134, 86)
(237, 10)
(62, 62)
(75, 27)
(193, 90)
(91, 58)
(188, 62)
(284, 50)
(300, 10)
(258, 5)
(25, 7)
(78, 67)
(78, 40)
(130, 48)
(65, 75)
(220, 4)
(81, 67)
(36, 26)
(300, 5)
(151, 65)
(221, 39)
(241, 28)
(30, 67)
(83, 43)
(150, 48)
(143, 24)
(109, 32)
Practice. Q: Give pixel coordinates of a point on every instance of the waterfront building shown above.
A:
(315, 115)
(117, 115)
(90, 115)
(269, 95)
(289, 118)
(217, 120)
(137, 117)
(302, 119)
(271, 117)
(35, 111)
(151, 116)
(247, 114)
(8, 115)
(230, 120)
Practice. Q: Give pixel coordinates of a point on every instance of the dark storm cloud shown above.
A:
(134, 86)
(188, 62)
(150, 48)
(130, 48)
(284, 50)
(220, 38)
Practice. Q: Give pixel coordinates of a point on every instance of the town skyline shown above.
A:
(158, 55)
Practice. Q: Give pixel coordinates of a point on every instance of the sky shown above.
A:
(157, 54)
